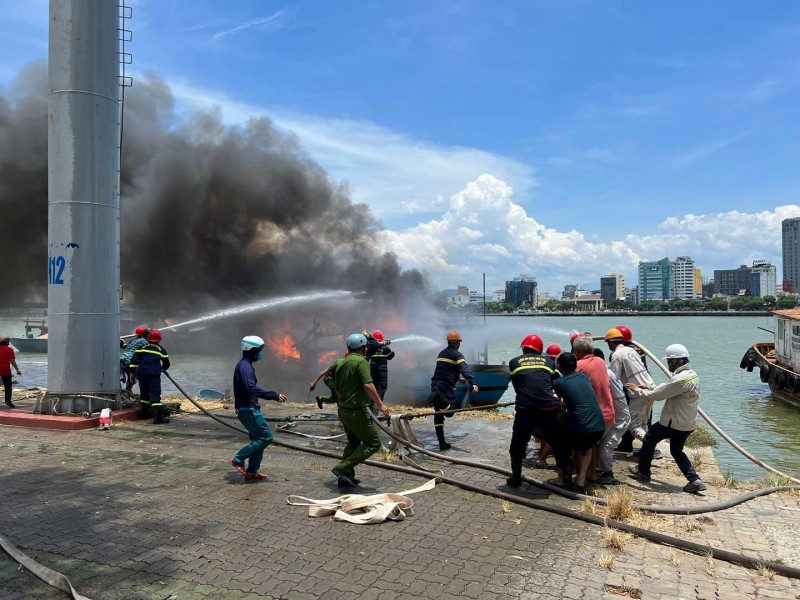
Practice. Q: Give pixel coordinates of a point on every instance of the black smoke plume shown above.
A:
(211, 214)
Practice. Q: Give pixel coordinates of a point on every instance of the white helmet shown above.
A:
(676, 351)
(252, 342)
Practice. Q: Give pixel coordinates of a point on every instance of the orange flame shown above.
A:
(284, 347)
(328, 358)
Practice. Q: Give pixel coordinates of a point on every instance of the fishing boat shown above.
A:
(30, 344)
(414, 389)
(778, 361)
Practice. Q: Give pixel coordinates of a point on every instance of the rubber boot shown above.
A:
(443, 445)
(516, 473)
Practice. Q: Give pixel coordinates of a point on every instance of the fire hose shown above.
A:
(660, 538)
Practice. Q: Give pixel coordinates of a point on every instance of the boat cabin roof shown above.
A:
(788, 313)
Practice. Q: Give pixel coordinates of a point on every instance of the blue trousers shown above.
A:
(260, 438)
(677, 439)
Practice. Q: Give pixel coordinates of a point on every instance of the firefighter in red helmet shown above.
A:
(536, 407)
(378, 355)
(140, 341)
(148, 362)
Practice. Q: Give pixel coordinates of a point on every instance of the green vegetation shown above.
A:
(701, 438)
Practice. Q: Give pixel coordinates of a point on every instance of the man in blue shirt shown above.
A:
(246, 394)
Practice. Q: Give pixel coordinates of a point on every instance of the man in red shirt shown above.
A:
(7, 360)
(595, 370)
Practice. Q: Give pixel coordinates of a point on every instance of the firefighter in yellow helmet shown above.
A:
(450, 366)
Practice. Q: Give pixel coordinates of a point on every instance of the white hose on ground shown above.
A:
(716, 427)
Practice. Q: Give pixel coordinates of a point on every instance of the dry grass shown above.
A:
(705, 520)
(620, 504)
(614, 539)
(697, 459)
(710, 566)
(389, 456)
(765, 572)
(624, 591)
(606, 561)
(505, 507)
(588, 507)
(729, 480)
(691, 525)
(674, 558)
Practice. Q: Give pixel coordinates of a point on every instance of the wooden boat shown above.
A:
(778, 361)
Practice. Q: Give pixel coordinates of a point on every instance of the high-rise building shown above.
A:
(521, 291)
(569, 292)
(732, 282)
(683, 278)
(791, 254)
(612, 288)
(698, 283)
(763, 278)
(655, 280)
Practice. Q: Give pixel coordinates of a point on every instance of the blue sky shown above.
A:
(564, 139)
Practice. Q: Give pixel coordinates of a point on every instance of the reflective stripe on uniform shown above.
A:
(526, 367)
(451, 361)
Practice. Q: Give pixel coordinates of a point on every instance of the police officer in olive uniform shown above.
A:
(355, 390)
(450, 365)
(536, 407)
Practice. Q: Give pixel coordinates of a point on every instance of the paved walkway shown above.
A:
(145, 512)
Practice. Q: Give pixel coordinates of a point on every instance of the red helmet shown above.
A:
(627, 336)
(378, 335)
(553, 350)
(142, 330)
(576, 334)
(534, 342)
(154, 336)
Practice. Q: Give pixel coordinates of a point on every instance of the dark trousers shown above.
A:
(441, 400)
(677, 439)
(545, 423)
(149, 391)
(260, 438)
(7, 387)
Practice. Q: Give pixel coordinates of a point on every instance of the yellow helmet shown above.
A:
(614, 334)
(453, 336)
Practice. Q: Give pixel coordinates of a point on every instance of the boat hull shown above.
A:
(492, 382)
(783, 383)
(30, 344)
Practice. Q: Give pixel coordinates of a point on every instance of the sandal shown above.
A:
(238, 467)
(256, 476)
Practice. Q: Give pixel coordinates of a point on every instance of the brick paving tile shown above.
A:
(145, 511)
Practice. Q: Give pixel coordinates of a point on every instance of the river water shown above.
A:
(737, 400)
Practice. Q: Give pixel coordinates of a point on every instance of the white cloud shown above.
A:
(270, 23)
(484, 231)
(686, 158)
(397, 175)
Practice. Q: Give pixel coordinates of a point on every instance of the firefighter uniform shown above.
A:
(379, 354)
(450, 365)
(147, 363)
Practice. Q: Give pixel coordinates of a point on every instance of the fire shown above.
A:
(328, 358)
(284, 347)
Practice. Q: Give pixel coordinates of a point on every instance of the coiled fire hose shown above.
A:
(716, 427)
(660, 538)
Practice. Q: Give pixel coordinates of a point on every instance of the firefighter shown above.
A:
(140, 341)
(248, 410)
(536, 407)
(450, 366)
(148, 362)
(355, 388)
(378, 354)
